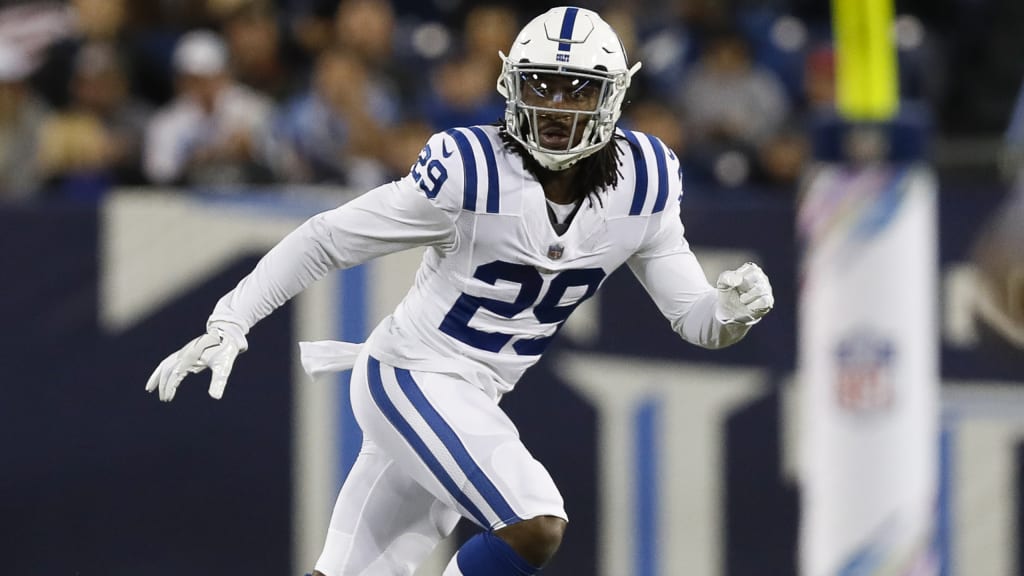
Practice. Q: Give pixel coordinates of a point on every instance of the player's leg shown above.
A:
(456, 441)
(521, 548)
(384, 523)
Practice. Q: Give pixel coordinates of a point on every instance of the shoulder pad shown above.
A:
(657, 174)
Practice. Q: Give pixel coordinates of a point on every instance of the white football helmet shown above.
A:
(581, 48)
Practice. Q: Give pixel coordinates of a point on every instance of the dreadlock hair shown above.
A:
(598, 172)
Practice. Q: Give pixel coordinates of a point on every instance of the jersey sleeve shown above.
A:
(670, 272)
(387, 219)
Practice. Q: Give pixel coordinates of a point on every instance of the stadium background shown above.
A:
(105, 273)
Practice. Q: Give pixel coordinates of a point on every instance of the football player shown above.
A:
(522, 221)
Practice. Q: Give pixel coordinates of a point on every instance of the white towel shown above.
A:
(327, 356)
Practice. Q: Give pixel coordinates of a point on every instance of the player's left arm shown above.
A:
(709, 316)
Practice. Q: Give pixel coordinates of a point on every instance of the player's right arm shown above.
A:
(417, 210)
(706, 315)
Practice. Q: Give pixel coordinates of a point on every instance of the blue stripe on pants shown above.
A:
(391, 412)
(458, 450)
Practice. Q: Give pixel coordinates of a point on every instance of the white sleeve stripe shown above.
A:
(478, 157)
(493, 189)
(640, 174)
(662, 163)
(651, 172)
(469, 187)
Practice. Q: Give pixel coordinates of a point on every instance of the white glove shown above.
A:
(216, 350)
(744, 295)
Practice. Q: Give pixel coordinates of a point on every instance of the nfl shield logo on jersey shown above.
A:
(555, 251)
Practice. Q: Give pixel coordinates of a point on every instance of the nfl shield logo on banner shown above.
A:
(864, 382)
(555, 251)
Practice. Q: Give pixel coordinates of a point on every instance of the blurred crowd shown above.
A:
(235, 94)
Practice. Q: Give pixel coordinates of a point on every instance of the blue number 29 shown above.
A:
(547, 310)
(436, 173)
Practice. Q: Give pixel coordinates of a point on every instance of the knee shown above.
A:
(546, 533)
(536, 539)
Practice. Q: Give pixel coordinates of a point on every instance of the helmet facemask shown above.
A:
(586, 102)
(556, 58)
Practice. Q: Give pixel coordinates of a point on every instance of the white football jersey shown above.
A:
(496, 282)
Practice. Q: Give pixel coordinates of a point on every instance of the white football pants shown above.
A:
(435, 448)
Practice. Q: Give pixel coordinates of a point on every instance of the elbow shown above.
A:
(711, 334)
(319, 235)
